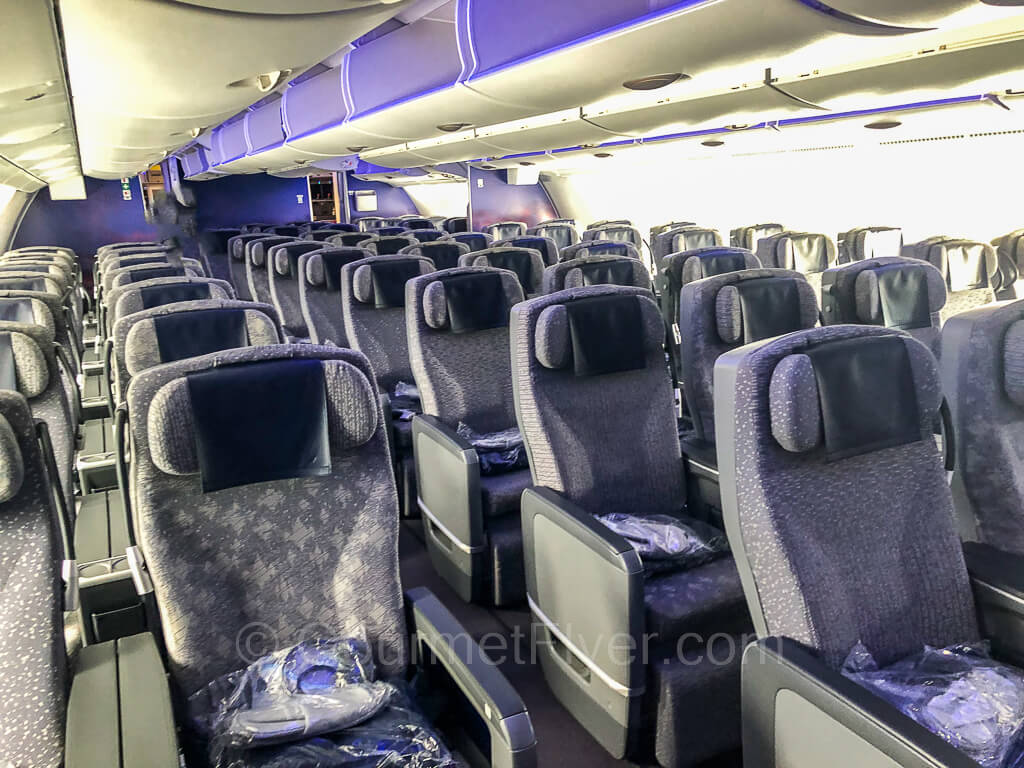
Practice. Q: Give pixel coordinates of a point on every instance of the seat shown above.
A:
(606, 222)
(596, 270)
(821, 436)
(29, 365)
(455, 224)
(115, 277)
(34, 671)
(163, 290)
(444, 253)
(333, 226)
(389, 231)
(589, 378)
(748, 237)
(389, 245)
(616, 233)
(172, 332)
(417, 222)
(970, 269)
(367, 223)
(562, 232)
(257, 266)
(527, 263)
(869, 243)
(678, 269)
(373, 295)
(477, 241)
(505, 230)
(320, 292)
(807, 253)
(457, 322)
(349, 239)
(214, 251)
(284, 230)
(303, 495)
(427, 235)
(547, 247)
(889, 291)
(284, 284)
(981, 378)
(587, 248)
(660, 228)
(683, 239)
(236, 250)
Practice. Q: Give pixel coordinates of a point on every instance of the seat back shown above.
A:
(28, 365)
(320, 292)
(596, 270)
(971, 272)
(367, 223)
(444, 253)
(417, 223)
(659, 228)
(477, 241)
(349, 239)
(457, 323)
(983, 380)
(590, 248)
(186, 329)
(31, 281)
(284, 230)
(835, 500)
(139, 273)
(720, 313)
(748, 237)
(527, 263)
(257, 267)
(892, 292)
(389, 245)
(808, 253)
(213, 251)
(136, 297)
(284, 284)
(373, 303)
(505, 230)
(427, 235)
(455, 224)
(270, 466)
(237, 253)
(616, 233)
(561, 233)
(606, 222)
(875, 242)
(547, 247)
(684, 239)
(33, 660)
(589, 377)
(389, 231)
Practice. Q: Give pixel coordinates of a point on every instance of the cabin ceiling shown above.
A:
(107, 88)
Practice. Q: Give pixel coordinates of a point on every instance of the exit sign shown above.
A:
(126, 188)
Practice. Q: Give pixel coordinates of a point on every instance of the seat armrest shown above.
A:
(451, 648)
(448, 478)
(998, 581)
(801, 714)
(567, 553)
(119, 711)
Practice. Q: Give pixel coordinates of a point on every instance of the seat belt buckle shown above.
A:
(69, 575)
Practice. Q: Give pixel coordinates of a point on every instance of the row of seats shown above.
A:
(191, 369)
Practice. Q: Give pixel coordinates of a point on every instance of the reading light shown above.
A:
(653, 82)
(884, 125)
(453, 127)
(713, 143)
(602, 154)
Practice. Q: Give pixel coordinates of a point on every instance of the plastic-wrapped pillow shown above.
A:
(667, 543)
(405, 401)
(959, 693)
(499, 452)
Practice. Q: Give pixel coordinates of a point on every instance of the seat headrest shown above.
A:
(804, 252)
(170, 293)
(391, 245)
(180, 335)
(691, 238)
(36, 284)
(286, 257)
(257, 249)
(589, 248)
(382, 281)
(1013, 363)
(970, 265)
(12, 465)
(900, 296)
(598, 335)
(23, 366)
(349, 239)
(219, 422)
(477, 299)
(139, 275)
(603, 271)
(477, 241)
(522, 261)
(762, 307)
(26, 310)
(850, 396)
(445, 254)
(708, 262)
(323, 267)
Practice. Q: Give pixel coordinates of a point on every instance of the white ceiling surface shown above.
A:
(37, 138)
(946, 171)
(148, 75)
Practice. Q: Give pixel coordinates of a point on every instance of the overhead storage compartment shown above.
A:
(123, 87)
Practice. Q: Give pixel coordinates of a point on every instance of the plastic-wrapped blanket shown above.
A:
(667, 543)
(499, 452)
(315, 704)
(405, 401)
(959, 693)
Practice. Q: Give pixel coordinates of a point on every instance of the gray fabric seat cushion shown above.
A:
(702, 600)
(501, 493)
